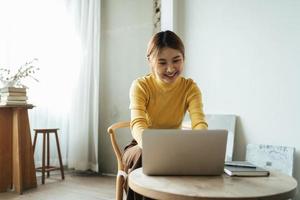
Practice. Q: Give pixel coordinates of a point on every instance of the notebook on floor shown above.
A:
(183, 152)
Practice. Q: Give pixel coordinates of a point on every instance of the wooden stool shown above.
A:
(47, 168)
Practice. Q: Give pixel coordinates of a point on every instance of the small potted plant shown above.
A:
(9, 79)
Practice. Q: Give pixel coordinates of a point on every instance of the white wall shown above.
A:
(244, 55)
(166, 15)
(126, 28)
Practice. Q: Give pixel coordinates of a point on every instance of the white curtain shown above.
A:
(65, 37)
(83, 140)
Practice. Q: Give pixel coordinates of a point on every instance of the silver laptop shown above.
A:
(183, 152)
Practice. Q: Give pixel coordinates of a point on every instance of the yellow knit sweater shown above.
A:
(155, 104)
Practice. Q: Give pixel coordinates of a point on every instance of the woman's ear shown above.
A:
(149, 61)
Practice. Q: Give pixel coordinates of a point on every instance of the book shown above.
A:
(239, 164)
(245, 171)
(13, 98)
(5, 94)
(12, 89)
(11, 103)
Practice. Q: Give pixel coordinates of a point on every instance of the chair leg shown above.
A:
(119, 187)
(59, 156)
(43, 159)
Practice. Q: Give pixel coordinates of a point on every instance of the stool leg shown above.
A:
(43, 159)
(59, 156)
(48, 155)
(34, 141)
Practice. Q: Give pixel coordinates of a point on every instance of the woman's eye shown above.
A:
(176, 61)
(162, 63)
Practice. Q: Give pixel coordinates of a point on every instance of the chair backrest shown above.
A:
(120, 136)
(272, 157)
(123, 137)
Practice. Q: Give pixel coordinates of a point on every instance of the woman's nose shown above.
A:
(170, 69)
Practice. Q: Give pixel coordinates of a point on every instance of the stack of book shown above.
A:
(244, 168)
(13, 96)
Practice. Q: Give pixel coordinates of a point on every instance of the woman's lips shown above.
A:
(171, 75)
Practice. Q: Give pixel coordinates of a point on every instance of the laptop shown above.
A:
(183, 152)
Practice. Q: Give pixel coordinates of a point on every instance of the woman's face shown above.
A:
(168, 65)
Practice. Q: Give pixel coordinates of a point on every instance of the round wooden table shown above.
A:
(276, 186)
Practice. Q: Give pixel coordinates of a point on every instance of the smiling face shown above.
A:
(167, 65)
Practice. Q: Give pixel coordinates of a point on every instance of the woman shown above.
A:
(160, 99)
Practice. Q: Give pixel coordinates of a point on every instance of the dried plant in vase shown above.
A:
(9, 79)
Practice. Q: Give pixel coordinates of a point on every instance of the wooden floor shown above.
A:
(76, 186)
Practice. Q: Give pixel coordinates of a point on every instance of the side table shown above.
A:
(16, 154)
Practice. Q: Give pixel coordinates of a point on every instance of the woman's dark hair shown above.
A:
(164, 39)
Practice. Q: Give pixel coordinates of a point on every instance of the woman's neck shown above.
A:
(166, 86)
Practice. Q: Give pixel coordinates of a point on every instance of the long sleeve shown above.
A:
(195, 108)
(138, 100)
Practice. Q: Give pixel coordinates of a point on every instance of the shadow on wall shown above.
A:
(240, 141)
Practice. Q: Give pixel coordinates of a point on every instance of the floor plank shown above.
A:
(76, 186)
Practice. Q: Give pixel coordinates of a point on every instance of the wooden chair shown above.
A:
(122, 175)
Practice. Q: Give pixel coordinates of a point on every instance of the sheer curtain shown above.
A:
(85, 117)
(65, 37)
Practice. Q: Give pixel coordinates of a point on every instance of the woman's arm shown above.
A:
(138, 101)
(195, 108)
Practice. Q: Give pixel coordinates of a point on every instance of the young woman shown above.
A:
(160, 99)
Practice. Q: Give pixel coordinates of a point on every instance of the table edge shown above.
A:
(166, 195)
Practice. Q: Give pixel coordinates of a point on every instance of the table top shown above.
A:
(276, 186)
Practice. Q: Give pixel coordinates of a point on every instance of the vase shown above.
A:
(5, 84)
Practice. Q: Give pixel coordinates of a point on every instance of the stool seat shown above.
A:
(47, 168)
(41, 130)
